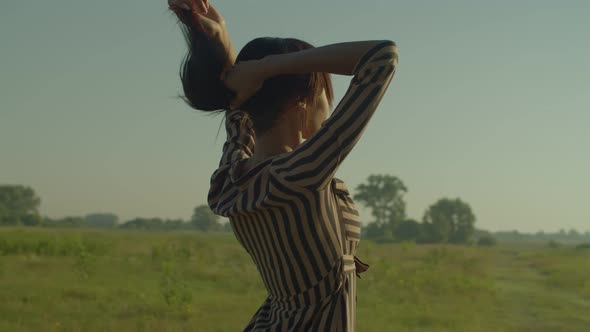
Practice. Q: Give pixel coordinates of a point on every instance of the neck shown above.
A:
(276, 141)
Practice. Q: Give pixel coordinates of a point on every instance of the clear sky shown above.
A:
(490, 103)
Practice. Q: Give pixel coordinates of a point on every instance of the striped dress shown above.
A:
(296, 220)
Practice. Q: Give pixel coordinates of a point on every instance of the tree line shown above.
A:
(19, 206)
(445, 221)
(448, 220)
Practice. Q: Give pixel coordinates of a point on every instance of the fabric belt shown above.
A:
(348, 263)
(352, 263)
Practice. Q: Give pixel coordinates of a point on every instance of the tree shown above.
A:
(450, 221)
(371, 231)
(487, 240)
(155, 224)
(383, 194)
(31, 220)
(19, 205)
(205, 220)
(573, 233)
(171, 224)
(408, 229)
(64, 222)
(107, 220)
(144, 223)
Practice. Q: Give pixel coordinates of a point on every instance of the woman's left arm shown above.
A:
(240, 137)
(238, 145)
(202, 15)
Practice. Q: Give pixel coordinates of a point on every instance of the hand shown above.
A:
(244, 78)
(200, 14)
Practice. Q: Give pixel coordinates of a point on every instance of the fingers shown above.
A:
(185, 6)
(226, 78)
(180, 5)
(212, 10)
(203, 15)
(206, 25)
(201, 5)
(187, 12)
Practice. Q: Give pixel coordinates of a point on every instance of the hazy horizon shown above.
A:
(487, 105)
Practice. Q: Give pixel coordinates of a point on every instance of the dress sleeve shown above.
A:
(238, 145)
(240, 137)
(314, 162)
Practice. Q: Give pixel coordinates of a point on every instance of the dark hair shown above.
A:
(203, 90)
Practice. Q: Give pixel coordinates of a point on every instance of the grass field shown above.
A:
(85, 280)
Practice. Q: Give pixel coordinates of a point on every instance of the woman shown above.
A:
(275, 181)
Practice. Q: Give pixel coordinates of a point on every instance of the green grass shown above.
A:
(85, 280)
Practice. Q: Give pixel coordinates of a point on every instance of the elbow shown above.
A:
(391, 49)
(390, 58)
(387, 42)
(386, 53)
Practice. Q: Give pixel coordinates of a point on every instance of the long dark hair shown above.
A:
(203, 90)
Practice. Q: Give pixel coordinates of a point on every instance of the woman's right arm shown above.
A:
(341, 58)
(373, 64)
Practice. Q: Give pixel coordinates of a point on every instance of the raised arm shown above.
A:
(373, 64)
(202, 16)
(238, 145)
(240, 138)
(210, 53)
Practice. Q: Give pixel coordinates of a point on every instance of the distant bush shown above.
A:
(487, 240)
(583, 246)
(553, 244)
(18, 243)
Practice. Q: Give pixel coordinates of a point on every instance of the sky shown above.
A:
(490, 103)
